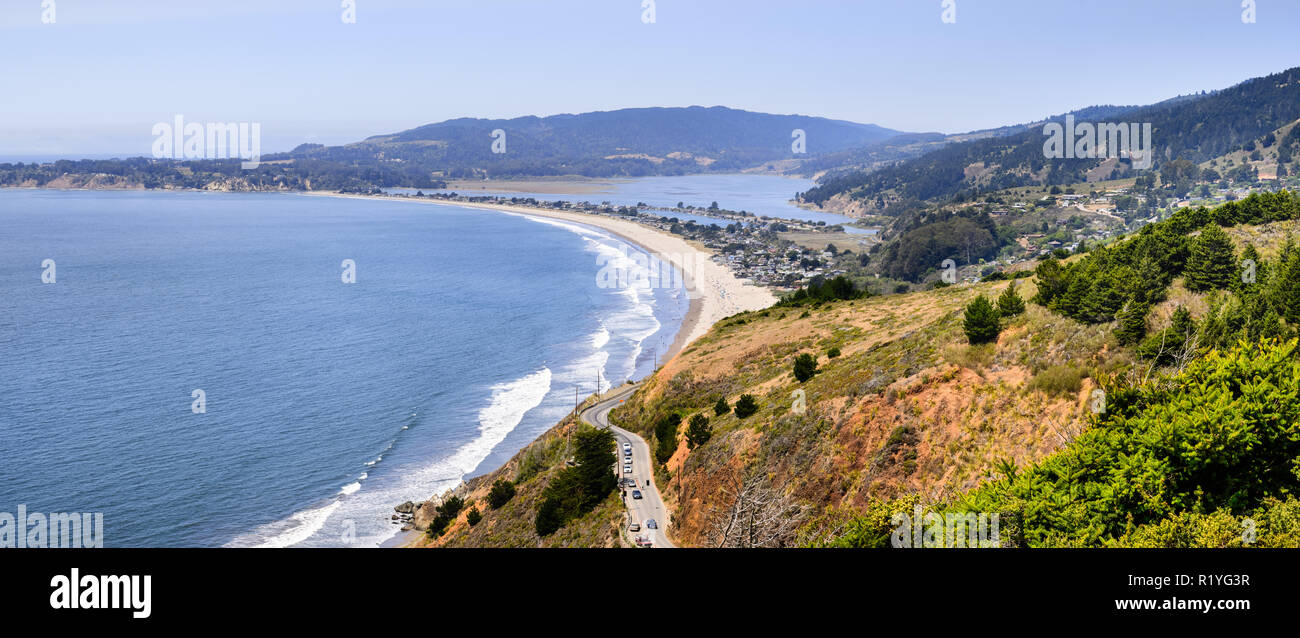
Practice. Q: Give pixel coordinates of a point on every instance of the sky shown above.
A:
(95, 80)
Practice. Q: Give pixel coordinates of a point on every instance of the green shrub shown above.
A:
(699, 431)
(746, 406)
(720, 408)
(502, 492)
(832, 353)
(1058, 380)
(446, 514)
(473, 516)
(981, 323)
(805, 366)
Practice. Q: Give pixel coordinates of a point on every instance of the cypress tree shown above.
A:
(1212, 264)
(1009, 303)
(981, 321)
(1286, 288)
(1132, 322)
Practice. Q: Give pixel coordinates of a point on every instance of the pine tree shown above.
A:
(981, 321)
(699, 431)
(1286, 288)
(1009, 303)
(720, 408)
(1132, 322)
(805, 366)
(1212, 264)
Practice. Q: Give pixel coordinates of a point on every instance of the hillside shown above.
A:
(1193, 128)
(627, 142)
(1108, 362)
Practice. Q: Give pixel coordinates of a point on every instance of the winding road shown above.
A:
(651, 505)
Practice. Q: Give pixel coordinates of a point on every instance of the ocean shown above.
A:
(465, 334)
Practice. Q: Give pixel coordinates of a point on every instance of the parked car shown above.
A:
(651, 524)
(636, 494)
(634, 527)
(627, 469)
(627, 451)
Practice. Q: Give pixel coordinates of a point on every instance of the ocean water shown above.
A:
(464, 336)
(768, 195)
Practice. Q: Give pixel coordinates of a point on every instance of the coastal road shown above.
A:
(651, 505)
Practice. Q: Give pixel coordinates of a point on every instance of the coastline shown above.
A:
(714, 292)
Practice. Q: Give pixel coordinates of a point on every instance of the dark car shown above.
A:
(636, 493)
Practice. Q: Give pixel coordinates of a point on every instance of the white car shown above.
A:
(627, 469)
(627, 447)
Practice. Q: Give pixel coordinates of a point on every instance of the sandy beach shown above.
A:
(715, 292)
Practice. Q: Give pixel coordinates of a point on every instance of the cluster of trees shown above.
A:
(446, 513)
(1149, 462)
(579, 488)
(964, 236)
(1122, 282)
(821, 290)
(983, 320)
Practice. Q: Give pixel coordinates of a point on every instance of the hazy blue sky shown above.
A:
(97, 79)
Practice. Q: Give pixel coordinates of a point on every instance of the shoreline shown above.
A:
(714, 292)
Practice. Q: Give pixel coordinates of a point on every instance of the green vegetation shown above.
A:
(1212, 263)
(1009, 302)
(446, 513)
(720, 408)
(981, 323)
(666, 436)
(823, 290)
(1059, 380)
(502, 492)
(1223, 436)
(833, 353)
(1138, 272)
(473, 516)
(746, 406)
(805, 366)
(699, 431)
(578, 489)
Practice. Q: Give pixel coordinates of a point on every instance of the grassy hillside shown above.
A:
(906, 406)
(513, 524)
(1194, 128)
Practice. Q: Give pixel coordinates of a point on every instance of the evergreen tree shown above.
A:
(805, 366)
(502, 492)
(746, 406)
(1286, 288)
(981, 321)
(1132, 322)
(699, 431)
(1009, 303)
(1212, 264)
(720, 408)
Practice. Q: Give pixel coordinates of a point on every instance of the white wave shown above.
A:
(290, 531)
(601, 338)
(350, 488)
